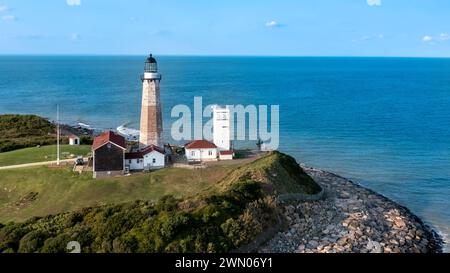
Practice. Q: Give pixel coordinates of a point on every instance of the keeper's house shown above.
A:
(201, 150)
(108, 151)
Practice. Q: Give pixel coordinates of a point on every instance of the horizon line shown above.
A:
(216, 55)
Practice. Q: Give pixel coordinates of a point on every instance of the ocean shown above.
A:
(382, 122)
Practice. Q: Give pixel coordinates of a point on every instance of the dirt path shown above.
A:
(36, 164)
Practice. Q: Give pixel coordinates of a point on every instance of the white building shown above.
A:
(221, 127)
(149, 158)
(134, 161)
(74, 140)
(201, 150)
(222, 131)
(226, 155)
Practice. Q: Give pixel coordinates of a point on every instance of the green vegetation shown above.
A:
(40, 154)
(21, 131)
(61, 190)
(277, 172)
(224, 216)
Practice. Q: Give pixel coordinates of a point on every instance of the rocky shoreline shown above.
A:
(350, 218)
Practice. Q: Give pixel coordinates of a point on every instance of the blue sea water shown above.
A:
(383, 122)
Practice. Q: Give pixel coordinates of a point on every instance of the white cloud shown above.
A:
(374, 2)
(73, 2)
(9, 18)
(3, 8)
(369, 37)
(440, 38)
(365, 38)
(273, 24)
(427, 38)
(444, 37)
(74, 36)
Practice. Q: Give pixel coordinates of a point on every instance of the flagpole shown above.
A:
(57, 134)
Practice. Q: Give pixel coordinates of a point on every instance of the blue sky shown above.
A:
(231, 27)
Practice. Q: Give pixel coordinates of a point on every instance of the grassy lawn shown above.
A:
(39, 191)
(43, 153)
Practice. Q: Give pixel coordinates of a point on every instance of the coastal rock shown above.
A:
(350, 219)
(374, 247)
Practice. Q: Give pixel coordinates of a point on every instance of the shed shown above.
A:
(74, 140)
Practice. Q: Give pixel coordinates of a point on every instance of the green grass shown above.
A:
(61, 190)
(277, 171)
(43, 153)
(216, 209)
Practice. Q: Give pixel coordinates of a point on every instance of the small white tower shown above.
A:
(151, 116)
(221, 127)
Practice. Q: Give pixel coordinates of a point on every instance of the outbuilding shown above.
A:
(74, 140)
(226, 155)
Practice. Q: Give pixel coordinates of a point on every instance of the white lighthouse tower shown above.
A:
(221, 127)
(151, 116)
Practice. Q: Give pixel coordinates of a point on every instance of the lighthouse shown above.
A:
(151, 116)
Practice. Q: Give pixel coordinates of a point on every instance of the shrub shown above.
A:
(86, 140)
(166, 203)
(244, 191)
(56, 244)
(126, 244)
(32, 241)
(73, 219)
(170, 224)
(21, 131)
(10, 236)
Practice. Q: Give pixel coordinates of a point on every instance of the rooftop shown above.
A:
(108, 136)
(200, 144)
(143, 152)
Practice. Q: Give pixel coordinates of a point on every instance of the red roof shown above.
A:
(108, 136)
(141, 153)
(226, 152)
(200, 144)
(152, 148)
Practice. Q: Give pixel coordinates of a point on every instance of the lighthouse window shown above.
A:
(154, 160)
